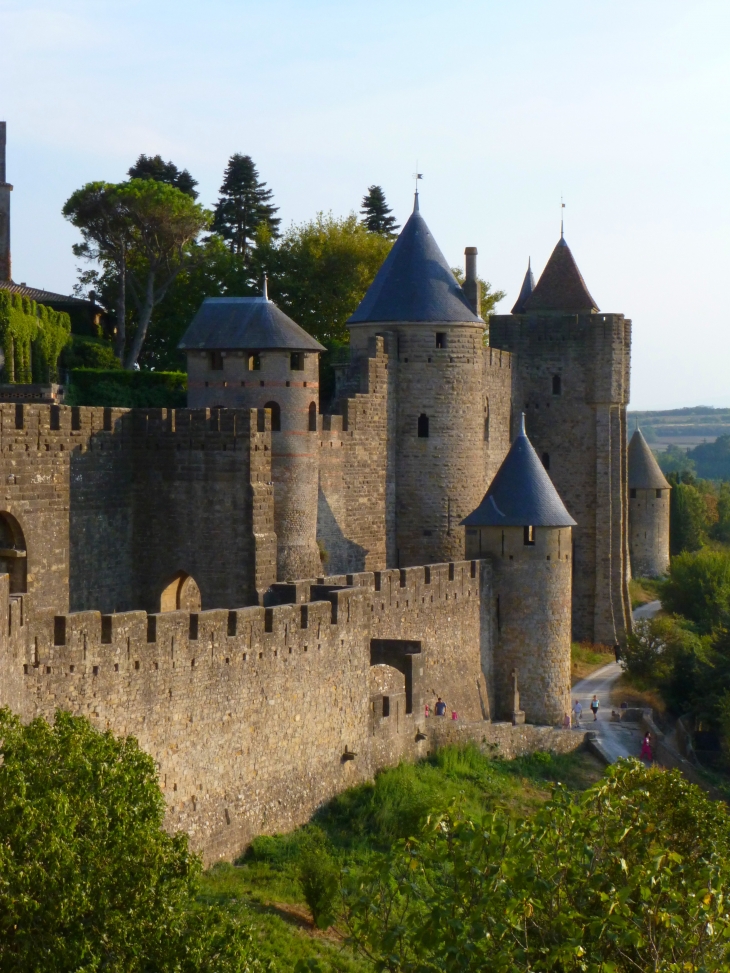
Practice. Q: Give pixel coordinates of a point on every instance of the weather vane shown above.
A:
(417, 175)
(562, 207)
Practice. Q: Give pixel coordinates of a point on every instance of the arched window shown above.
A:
(13, 554)
(312, 416)
(423, 426)
(557, 385)
(181, 593)
(546, 460)
(275, 415)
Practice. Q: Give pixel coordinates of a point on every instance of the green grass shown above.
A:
(644, 590)
(264, 889)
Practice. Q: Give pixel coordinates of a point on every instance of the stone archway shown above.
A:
(13, 553)
(181, 593)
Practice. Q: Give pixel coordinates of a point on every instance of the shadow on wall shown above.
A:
(343, 555)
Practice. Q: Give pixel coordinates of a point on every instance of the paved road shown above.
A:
(619, 740)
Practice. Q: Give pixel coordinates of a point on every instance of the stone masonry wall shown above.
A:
(580, 433)
(256, 716)
(649, 532)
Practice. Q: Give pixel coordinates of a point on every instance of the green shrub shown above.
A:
(33, 337)
(319, 878)
(698, 588)
(123, 389)
(86, 352)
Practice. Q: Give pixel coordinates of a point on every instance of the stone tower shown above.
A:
(522, 526)
(648, 512)
(5, 190)
(243, 352)
(435, 360)
(571, 378)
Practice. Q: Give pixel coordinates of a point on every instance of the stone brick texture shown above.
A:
(649, 532)
(579, 424)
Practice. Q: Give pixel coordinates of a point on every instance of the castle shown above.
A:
(270, 599)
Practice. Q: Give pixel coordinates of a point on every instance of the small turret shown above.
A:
(244, 352)
(528, 286)
(523, 528)
(648, 511)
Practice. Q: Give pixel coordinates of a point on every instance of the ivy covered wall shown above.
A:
(32, 337)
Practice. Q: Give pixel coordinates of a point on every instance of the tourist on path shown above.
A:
(646, 753)
(577, 711)
(594, 707)
(440, 707)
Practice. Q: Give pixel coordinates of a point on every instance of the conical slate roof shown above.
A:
(253, 323)
(415, 282)
(644, 471)
(521, 494)
(561, 286)
(528, 286)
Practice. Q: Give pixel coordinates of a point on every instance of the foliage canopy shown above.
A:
(376, 214)
(89, 880)
(33, 337)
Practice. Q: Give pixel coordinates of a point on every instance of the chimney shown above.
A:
(5, 189)
(472, 288)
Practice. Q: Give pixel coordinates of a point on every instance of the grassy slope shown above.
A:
(264, 888)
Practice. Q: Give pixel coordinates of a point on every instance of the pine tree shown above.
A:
(155, 167)
(244, 206)
(376, 213)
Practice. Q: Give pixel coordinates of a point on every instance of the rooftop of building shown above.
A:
(561, 286)
(42, 296)
(528, 286)
(644, 471)
(251, 323)
(415, 283)
(521, 494)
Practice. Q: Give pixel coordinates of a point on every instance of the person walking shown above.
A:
(577, 711)
(440, 707)
(566, 721)
(646, 753)
(594, 707)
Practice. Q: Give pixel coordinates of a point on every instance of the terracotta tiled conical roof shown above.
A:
(561, 286)
(644, 471)
(528, 286)
(521, 494)
(415, 282)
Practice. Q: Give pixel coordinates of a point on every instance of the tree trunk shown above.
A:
(145, 315)
(120, 338)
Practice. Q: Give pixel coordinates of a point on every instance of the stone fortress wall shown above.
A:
(572, 382)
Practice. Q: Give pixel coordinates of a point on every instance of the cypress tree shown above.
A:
(155, 167)
(244, 205)
(376, 213)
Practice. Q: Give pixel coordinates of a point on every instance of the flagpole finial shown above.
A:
(562, 207)
(265, 289)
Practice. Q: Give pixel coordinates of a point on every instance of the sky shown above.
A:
(620, 107)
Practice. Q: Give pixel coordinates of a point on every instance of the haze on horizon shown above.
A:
(621, 107)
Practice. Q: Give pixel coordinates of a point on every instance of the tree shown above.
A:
(153, 167)
(489, 298)
(98, 212)
(698, 587)
(687, 516)
(628, 876)
(319, 271)
(376, 213)
(674, 459)
(89, 879)
(244, 206)
(712, 459)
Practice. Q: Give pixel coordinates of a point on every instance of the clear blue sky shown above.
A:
(621, 106)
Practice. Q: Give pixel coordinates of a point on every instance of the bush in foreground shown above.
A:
(89, 880)
(629, 876)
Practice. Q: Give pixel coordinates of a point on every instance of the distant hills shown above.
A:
(681, 427)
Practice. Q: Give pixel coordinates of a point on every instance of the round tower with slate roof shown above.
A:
(244, 352)
(434, 341)
(523, 528)
(648, 512)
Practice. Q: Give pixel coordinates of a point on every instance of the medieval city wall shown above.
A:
(579, 431)
(111, 503)
(256, 716)
(355, 518)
